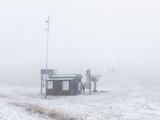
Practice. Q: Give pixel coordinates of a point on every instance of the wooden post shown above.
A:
(95, 86)
(88, 74)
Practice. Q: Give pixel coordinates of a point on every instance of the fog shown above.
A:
(86, 34)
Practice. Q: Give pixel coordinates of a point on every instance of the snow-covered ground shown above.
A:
(20, 103)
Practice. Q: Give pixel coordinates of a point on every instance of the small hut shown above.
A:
(63, 84)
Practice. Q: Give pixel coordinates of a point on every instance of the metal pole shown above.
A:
(48, 21)
(90, 85)
(41, 84)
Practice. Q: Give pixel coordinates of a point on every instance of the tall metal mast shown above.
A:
(48, 31)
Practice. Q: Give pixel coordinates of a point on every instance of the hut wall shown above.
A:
(58, 88)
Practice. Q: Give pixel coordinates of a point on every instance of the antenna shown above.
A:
(48, 31)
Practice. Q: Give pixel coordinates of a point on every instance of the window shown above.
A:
(65, 85)
(50, 85)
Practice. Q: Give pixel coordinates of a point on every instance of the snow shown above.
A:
(10, 112)
(106, 105)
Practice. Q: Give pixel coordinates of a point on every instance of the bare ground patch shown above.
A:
(51, 113)
(3, 96)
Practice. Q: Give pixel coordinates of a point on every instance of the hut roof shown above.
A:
(65, 77)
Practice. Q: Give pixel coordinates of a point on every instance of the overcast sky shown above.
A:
(84, 34)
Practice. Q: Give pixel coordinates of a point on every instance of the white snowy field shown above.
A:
(19, 103)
